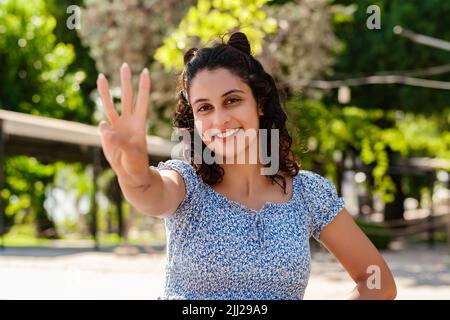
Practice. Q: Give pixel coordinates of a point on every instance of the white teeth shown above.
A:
(227, 134)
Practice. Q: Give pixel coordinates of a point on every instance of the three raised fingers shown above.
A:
(127, 94)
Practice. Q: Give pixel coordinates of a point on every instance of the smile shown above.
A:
(228, 133)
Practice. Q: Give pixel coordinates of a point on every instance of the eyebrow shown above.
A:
(223, 95)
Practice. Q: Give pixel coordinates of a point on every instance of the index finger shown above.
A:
(103, 89)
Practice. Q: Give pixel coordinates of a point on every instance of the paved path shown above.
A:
(420, 273)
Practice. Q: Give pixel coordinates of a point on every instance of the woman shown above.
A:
(233, 232)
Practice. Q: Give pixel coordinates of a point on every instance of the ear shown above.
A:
(260, 110)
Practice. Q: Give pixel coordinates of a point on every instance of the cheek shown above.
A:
(249, 116)
(201, 126)
(251, 122)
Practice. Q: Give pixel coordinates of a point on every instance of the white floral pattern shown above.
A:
(219, 249)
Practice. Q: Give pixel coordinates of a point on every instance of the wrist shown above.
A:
(142, 182)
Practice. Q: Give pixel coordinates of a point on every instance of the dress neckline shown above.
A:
(266, 204)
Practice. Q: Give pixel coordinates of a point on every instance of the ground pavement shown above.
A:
(80, 273)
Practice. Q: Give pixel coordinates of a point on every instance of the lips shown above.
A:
(228, 133)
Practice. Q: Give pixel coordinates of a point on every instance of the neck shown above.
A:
(244, 179)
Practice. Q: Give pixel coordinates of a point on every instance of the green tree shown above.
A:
(106, 29)
(83, 61)
(330, 133)
(209, 19)
(35, 79)
(367, 52)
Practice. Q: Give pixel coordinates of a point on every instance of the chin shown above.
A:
(232, 155)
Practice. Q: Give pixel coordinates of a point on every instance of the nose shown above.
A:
(221, 119)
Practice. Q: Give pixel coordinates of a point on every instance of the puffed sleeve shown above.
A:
(324, 202)
(190, 177)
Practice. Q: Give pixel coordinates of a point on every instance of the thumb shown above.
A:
(106, 133)
(108, 136)
(111, 138)
(104, 126)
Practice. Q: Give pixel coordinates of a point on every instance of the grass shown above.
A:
(106, 240)
(24, 241)
(23, 236)
(111, 239)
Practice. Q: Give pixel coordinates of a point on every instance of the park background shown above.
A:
(366, 85)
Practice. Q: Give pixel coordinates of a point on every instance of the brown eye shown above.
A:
(233, 100)
(203, 108)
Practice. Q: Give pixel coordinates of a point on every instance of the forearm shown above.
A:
(146, 195)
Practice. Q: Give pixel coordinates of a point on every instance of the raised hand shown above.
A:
(124, 136)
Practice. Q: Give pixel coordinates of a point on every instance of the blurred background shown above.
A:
(366, 85)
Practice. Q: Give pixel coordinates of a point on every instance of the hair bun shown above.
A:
(239, 41)
(189, 55)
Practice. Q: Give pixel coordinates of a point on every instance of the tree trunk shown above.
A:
(395, 209)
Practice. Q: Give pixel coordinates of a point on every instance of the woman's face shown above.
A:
(225, 112)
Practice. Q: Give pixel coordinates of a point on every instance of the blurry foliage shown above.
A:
(24, 235)
(411, 121)
(117, 31)
(82, 61)
(328, 133)
(24, 194)
(366, 52)
(75, 180)
(35, 79)
(303, 46)
(210, 19)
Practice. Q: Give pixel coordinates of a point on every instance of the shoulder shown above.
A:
(188, 174)
(321, 199)
(318, 192)
(184, 169)
(313, 182)
(178, 165)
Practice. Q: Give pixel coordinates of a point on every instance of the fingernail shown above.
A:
(124, 65)
(101, 76)
(103, 126)
(145, 70)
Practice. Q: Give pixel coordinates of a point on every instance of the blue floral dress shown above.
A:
(219, 249)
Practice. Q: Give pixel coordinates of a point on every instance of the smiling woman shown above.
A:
(233, 232)
(223, 88)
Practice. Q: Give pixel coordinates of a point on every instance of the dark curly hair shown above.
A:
(235, 56)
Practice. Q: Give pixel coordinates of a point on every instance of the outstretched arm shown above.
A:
(125, 147)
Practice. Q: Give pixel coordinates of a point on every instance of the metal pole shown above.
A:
(431, 215)
(96, 167)
(422, 39)
(118, 202)
(448, 219)
(2, 183)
